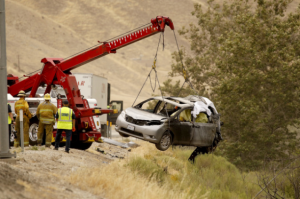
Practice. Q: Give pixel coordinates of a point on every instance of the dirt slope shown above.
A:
(45, 173)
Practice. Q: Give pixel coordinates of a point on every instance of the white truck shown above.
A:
(94, 87)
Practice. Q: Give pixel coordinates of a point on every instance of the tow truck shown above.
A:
(57, 71)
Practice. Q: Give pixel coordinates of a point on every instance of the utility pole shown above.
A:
(4, 143)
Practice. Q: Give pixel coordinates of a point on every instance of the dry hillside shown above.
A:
(37, 29)
(60, 28)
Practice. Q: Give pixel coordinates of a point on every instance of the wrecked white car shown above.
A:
(190, 121)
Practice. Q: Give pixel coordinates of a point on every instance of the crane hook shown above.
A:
(154, 66)
(184, 74)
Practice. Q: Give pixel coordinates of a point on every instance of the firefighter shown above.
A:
(45, 114)
(22, 104)
(65, 118)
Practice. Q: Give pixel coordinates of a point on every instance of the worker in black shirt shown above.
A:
(10, 121)
(65, 118)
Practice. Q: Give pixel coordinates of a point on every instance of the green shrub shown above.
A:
(147, 168)
(210, 177)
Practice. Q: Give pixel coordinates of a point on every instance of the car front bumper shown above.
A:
(150, 133)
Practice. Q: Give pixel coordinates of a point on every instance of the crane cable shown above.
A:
(184, 71)
(149, 74)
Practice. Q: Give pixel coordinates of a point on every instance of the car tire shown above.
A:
(123, 135)
(164, 142)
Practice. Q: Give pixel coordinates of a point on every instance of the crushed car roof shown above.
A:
(166, 99)
(187, 101)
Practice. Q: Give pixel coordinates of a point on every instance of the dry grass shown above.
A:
(117, 181)
(149, 173)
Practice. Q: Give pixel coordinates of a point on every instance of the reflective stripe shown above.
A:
(59, 119)
(46, 122)
(19, 105)
(45, 110)
(46, 119)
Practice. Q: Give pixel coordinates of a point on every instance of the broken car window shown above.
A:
(160, 107)
(148, 105)
(166, 109)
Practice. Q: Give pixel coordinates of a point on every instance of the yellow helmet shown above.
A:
(47, 96)
(21, 94)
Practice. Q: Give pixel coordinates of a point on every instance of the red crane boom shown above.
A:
(56, 71)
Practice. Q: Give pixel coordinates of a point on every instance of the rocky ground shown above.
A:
(43, 173)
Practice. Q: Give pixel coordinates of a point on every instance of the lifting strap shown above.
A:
(184, 72)
(149, 75)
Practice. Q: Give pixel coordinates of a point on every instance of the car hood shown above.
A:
(142, 115)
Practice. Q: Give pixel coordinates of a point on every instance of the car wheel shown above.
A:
(123, 135)
(33, 133)
(165, 141)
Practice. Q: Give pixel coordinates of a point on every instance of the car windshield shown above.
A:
(148, 105)
(158, 107)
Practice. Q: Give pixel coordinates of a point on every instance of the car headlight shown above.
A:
(123, 114)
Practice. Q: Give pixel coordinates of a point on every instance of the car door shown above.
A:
(203, 134)
(182, 130)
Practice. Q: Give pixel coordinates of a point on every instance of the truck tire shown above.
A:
(164, 142)
(12, 139)
(85, 146)
(123, 135)
(33, 131)
(80, 145)
(12, 135)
